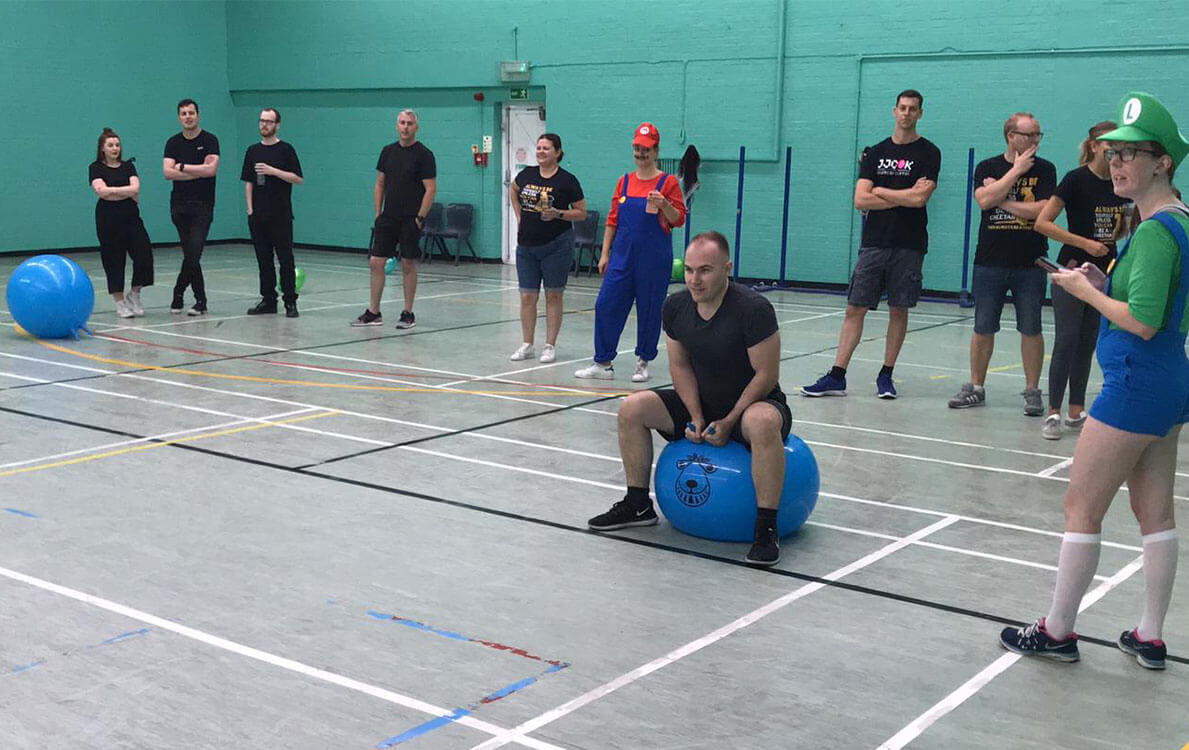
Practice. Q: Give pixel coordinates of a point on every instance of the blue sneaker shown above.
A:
(1034, 640)
(884, 387)
(1149, 654)
(826, 385)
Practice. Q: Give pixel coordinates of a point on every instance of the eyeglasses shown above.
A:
(1127, 153)
(270, 122)
(1037, 135)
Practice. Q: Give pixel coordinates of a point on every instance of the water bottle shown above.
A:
(259, 178)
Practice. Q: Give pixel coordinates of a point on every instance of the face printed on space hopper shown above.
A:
(693, 480)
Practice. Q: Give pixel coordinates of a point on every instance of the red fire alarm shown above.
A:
(479, 96)
(480, 159)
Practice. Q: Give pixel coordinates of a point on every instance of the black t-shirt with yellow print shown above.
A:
(1005, 239)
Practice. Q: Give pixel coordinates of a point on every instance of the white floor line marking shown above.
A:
(1055, 468)
(902, 363)
(930, 459)
(158, 436)
(392, 420)
(919, 725)
(273, 660)
(694, 646)
(588, 359)
(972, 519)
(925, 438)
(940, 547)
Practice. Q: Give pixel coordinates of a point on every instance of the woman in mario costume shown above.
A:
(1131, 435)
(637, 258)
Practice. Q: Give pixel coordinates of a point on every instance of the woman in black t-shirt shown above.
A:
(118, 225)
(546, 199)
(1094, 214)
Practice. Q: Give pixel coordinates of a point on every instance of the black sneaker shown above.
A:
(407, 320)
(368, 318)
(622, 515)
(1034, 640)
(291, 310)
(177, 306)
(765, 550)
(263, 308)
(198, 309)
(1149, 654)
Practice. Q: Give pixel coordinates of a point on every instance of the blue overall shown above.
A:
(1146, 383)
(639, 269)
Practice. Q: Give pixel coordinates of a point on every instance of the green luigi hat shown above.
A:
(1144, 118)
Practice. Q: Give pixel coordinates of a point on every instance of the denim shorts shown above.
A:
(549, 263)
(990, 287)
(896, 271)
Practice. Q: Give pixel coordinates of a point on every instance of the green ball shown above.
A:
(678, 270)
(299, 280)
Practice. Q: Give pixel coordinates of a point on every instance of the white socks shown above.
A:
(1075, 572)
(1160, 570)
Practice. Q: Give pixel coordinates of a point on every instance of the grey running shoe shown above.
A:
(1033, 404)
(970, 395)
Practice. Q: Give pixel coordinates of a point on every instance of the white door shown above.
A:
(523, 126)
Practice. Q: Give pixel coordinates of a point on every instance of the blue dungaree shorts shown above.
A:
(1146, 383)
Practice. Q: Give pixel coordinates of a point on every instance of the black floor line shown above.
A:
(557, 525)
(553, 410)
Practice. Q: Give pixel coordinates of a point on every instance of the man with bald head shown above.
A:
(724, 359)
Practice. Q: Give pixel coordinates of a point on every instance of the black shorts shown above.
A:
(894, 270)
(680, 416)
(391, 231)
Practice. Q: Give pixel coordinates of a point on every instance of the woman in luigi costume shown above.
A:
(1131, 435)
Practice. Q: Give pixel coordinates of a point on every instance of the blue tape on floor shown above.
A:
(428, 726)
(24, 513)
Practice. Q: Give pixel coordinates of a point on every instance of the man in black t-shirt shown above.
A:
(724, 358)
(270, 171)
(1011, 189)
(406, 183)
(190, 163)
(897, 176)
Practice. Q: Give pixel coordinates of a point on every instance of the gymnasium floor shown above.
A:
(234, 532)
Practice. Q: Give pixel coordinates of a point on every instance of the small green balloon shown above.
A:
(390, 265)
(299, 280)
(678, 270)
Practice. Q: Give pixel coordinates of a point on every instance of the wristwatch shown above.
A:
(181, 166)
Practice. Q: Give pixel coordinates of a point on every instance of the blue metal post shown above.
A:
(964, 298)
(739, 210)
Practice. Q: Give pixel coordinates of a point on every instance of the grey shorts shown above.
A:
(896, 271)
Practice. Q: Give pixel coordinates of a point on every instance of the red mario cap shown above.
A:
(647, 135)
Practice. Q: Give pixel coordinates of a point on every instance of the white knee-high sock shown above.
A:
(1075, 571)
(1160, 570)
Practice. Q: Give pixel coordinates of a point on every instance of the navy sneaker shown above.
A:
(1149, 654)
(826, 385)
(1034, 640)
(884, 387)
(622, 515)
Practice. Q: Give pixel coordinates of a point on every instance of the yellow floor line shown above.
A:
(163, 443)
(314, 384)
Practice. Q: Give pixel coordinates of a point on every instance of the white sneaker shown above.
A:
(1052, 427)
(133, 301)
(548, 354)
(524, 352)
(641, 373)
(123, 309)
(595, 371)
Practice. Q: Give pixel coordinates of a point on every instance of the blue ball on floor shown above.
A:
(390, 266)
(51, 297)
(707, 491)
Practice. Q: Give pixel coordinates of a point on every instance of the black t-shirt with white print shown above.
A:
(898, 166)
(560, 191)
(1091, 210)
(1005, 239)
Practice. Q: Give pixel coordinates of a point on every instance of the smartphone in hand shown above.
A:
(1047, 264)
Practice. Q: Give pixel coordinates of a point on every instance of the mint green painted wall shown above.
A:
(70, 69)
(704, 73)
